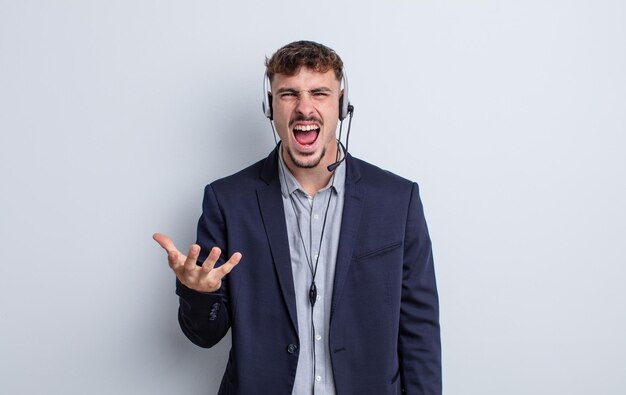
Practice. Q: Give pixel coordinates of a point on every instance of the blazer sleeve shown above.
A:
(204, 317)
(419, 343)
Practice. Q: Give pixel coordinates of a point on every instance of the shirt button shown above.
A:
(319, 297)
(318, 378)
(318, 337)
(316, 216)
(292, 348)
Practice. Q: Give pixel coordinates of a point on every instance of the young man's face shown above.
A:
(306, 112)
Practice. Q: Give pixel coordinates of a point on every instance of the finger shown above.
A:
(165, 242)
(174, 258)
(223, 270)
(212, 280)
(191, 263)
(210, 260)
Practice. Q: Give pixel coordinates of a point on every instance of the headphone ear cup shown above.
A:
(267, 98)
(270, 112)
(341, 114)
(344, 99)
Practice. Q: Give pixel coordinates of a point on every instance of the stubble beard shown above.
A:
(309, 164)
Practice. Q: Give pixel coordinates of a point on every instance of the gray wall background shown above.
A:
(510, 114)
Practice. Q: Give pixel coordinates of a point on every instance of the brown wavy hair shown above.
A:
(289, 59)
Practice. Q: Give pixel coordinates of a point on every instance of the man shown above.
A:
(335, 293)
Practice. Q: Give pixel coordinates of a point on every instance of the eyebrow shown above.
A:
(287, 90)
(320, 90)
(314, 90)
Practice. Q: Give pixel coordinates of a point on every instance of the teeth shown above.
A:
(306, 128)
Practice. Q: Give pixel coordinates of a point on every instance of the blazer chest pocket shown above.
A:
(378, 251)
(375, 274)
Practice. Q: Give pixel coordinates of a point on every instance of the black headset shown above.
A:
(344, 102)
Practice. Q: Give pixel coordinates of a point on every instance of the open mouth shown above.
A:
(306, 135)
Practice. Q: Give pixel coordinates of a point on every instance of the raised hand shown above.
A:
(205, 278)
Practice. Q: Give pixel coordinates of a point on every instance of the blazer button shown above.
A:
(292, 348)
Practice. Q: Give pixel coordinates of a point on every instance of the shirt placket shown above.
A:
(317, 219)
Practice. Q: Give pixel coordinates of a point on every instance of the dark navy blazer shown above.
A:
(384, 321)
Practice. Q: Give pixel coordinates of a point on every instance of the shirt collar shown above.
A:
(289, 184)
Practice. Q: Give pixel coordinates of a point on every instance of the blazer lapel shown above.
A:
(273, 214)
(352, 208)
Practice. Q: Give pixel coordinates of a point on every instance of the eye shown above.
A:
(288, 95)
(320, 94)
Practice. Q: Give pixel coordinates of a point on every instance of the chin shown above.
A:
(307, 162)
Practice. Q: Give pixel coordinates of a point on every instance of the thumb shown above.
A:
(165, 242)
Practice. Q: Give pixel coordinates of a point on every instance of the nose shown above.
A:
(305, 105)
